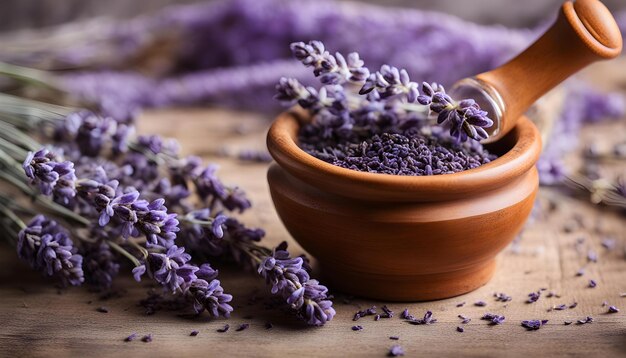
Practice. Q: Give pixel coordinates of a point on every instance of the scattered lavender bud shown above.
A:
(357, 328)
(613, 309)
(494, 318)
(242, 327)
(586, 320)
(592, 283)
(427, 319)
(396, 351)
(224, 329)
(592, 256)
(387, 313)
(377, 317)
(502, 297)
(608, 244)
(194, 333)
(366, 312)
(147, 338)
(460, 304)
(480, 303)
(567, 323)
(131, 337)
(533, 296)
(580, 272)
(394, 338)
(102, 309)
(460, 329)
(465, 320)
(573, 305)
(406, 315)
(560, 307)
(570, 226)
(533, 325)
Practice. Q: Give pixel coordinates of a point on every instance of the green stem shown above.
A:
(9, 214)
(28, 75)
(141, 249)
(122, 251)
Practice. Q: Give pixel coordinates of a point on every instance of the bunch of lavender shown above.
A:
(134, 198)
(385, 131)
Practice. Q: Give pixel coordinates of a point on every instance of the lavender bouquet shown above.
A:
(110, 196)
(386, 131)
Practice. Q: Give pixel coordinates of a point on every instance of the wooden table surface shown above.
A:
(36, 319)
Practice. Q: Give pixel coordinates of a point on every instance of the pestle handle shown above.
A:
(584, 32)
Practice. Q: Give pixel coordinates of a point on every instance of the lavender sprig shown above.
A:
(330, 69)
(287, 278)
(47, 247)
(173, 271)
(53, 177)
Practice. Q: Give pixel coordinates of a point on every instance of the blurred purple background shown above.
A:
(19, 14)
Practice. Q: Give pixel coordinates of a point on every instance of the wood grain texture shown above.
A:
(37, 321)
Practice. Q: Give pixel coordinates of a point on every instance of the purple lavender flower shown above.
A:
(134, 215)
(330, 69)
(212, 190)
(209, 295)
(390, 81)
(593, 283)
(99, 264)
(173, 271)
(465, 118)
(613, 309)
(288, 279)
(170, 269)
(47, 247)
(51, 176)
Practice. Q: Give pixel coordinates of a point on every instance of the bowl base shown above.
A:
(408, 288)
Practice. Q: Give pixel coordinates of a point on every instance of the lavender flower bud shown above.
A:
(99, 264)
(46, 247)
(51, 176)
(170, 269)
(287, 278)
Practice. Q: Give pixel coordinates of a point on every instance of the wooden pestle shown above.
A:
(584, 32)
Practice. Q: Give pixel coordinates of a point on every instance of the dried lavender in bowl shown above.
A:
(386, 126)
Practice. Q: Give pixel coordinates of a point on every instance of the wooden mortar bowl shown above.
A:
(407, 238)
(404, 238)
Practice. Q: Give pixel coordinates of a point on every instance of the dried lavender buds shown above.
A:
(386, 131)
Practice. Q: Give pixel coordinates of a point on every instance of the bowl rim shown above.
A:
(519, 159)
